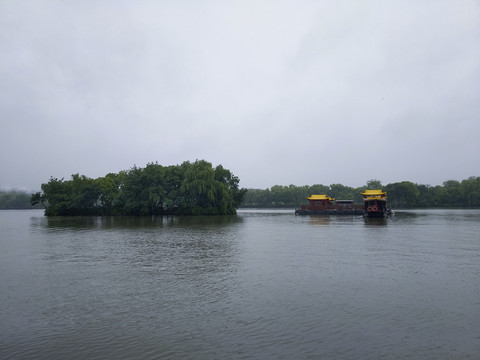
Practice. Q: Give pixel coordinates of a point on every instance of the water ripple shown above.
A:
(265, 284)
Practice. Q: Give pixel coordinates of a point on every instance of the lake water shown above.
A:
(264, 284)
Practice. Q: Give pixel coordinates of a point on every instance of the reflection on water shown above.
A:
(320, 220)
(177, 245)
(263, 284)
(376, 221)
(110, 222)
(332, 219)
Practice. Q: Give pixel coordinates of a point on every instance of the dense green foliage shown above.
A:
(403, 194)
(16, 199)
(187, 189)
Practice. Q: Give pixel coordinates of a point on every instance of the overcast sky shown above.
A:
(279, 92)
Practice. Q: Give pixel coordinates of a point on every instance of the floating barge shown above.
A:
(374, 205)
(325, 205)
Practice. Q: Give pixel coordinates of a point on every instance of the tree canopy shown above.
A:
(187, 189)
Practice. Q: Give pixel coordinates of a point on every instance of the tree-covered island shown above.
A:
(192, 188)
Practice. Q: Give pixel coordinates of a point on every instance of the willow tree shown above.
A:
(209, 191)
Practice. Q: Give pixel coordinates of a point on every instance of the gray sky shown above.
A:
(279, 92)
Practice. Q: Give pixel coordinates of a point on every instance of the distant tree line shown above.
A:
(187, 189)
(16, 199)
(405, 194)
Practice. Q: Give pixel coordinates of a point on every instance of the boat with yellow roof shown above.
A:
(375, 204)
(326, 205)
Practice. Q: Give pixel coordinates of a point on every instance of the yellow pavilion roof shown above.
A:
(320, 197)
(374, 194)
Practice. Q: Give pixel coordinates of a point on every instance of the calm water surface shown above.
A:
(260, 285)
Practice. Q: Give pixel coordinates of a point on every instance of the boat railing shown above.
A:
(332, 207)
